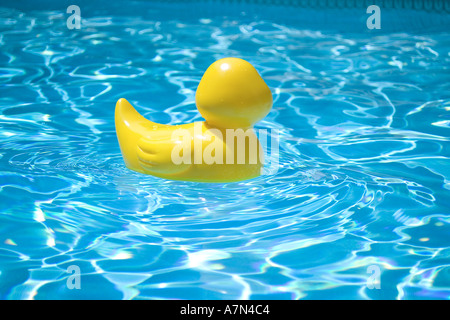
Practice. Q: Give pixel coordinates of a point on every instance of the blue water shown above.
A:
(363, 181)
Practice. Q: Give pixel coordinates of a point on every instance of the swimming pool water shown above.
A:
(364, 172)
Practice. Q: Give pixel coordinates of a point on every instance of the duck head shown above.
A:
(232, 94)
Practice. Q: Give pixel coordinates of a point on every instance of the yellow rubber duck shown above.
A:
(231, 97)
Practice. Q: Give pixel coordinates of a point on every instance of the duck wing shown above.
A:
(160, 153)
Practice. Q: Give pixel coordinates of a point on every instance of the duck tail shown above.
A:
(126, 113)
(130, 127)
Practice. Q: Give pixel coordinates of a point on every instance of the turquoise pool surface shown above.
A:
(363, 181)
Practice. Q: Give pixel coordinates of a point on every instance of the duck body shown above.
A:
(151, 148)
(223, 149)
